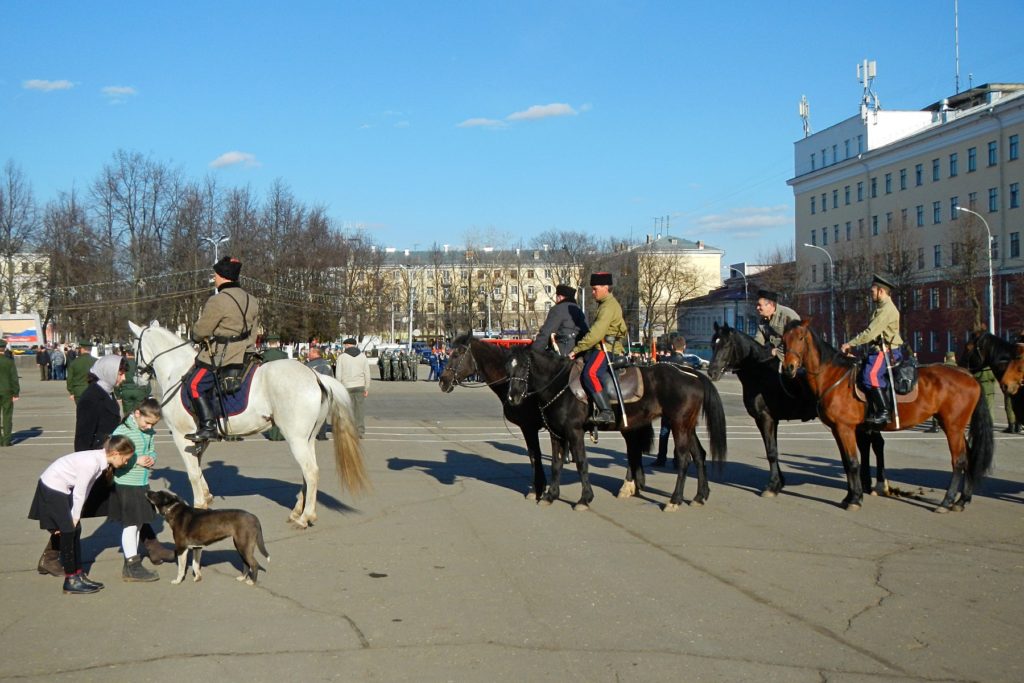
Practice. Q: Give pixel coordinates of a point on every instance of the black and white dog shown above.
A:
(195, 529)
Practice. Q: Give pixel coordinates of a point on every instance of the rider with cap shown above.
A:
(773, 321)
(882, 333)
(604, 336)
(565, 321)
(225, 330)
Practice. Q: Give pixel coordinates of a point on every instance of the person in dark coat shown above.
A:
(98, 413)
(565, 321)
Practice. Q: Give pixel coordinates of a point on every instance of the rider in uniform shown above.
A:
(565, 321)
(225, 331)
(882, 333)
(773, 321)
(604, 336)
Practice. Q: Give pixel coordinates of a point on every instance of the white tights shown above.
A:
(130, 541)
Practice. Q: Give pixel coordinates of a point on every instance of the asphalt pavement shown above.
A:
(445, 572)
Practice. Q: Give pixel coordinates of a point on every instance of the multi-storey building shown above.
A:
(510, 291)
(882, 192)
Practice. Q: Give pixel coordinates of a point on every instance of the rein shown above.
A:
(147, 368)
(476, 370)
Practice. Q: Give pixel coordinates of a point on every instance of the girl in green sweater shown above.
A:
(128, 503)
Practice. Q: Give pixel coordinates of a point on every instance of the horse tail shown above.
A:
(980, 442)
(644, 435)
(714, 418)
(348, 451)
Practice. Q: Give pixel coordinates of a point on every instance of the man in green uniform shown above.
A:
(883, 335)
(605, 336)
(9, 391)
(773, 320)
(271, 353)
(131, 393)
(78, 370)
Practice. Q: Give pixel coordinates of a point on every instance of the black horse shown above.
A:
(984, 350)
(770, 398)
(472, 357)
(669, 390)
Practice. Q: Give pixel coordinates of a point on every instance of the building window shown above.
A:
(849, 230)
(933, 341)
(814, 203)
(888, 183)
(846, 195)
(860, 191)
(1014, 245)
(972, 159)
(954, 208)
(547, 289)
(935, 171)
(972, 200)
(835, 232)
(954, 169)
(1014, 195)
(874, 187)
(888, 221)
(933, 298)
(1014, 148)
(920, 215)
(835, 198)
(936, 213)
(814, 273)
(903, 178)
(995, 248)
(993, 153)
(846, 148)
(814, 237)
(824, 202)
(860, 227)
(824, 237)
(529, 273)
(920, 258)
(903, 218)
(993, 199)
(918, 174)
(937, 261)
(813, 161)
(860, 144)
(874, 225)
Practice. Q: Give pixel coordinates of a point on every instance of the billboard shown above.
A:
(21, 329)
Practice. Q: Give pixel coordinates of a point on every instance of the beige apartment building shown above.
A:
(882, 192)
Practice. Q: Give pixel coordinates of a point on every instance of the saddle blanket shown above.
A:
(233, 403)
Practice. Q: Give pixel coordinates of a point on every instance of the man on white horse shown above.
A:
(225, 330)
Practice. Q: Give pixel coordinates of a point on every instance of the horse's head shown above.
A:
(1013, 376)
(974, 355)
(518, 369)
(725, 353)
(800, 347)
(461, 365)
(153, 342)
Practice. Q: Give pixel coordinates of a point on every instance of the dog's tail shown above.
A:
(259, 542)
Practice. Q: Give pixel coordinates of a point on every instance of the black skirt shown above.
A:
(129, 505)
(52, 509)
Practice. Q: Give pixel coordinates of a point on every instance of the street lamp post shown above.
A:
(991, 291)
(409, 272)
(831, 289)
(215, 242)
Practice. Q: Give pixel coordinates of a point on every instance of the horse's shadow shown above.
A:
(226, 481)
(458, 465)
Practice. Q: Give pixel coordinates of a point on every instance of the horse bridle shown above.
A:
(144, 368)
(467, 351)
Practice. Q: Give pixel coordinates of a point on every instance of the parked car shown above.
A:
(695, 361)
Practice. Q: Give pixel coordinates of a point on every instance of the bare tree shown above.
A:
(19, 223)
(967, 269)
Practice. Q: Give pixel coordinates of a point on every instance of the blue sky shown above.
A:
(427, 122)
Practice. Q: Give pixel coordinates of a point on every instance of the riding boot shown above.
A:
(604, 416)
(204, 418)
(878, 410)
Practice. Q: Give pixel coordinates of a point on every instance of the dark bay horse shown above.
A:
(948, 393)
(676, 393)
(987, 350)
(770, 398)
(470, 357)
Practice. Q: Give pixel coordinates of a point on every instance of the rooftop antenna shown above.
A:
(805, 114)
(866, 72)
(956, 43)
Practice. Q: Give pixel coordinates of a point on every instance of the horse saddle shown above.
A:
(900, 398)
(631, 382)
(233, 402)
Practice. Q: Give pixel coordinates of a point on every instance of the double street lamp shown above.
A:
(215, 242)
(991, 292)
(831, 290)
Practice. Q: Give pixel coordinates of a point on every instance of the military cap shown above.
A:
(229, 268)
(768, 294)
(566, 291)
(85, 344)
(600, 279)
(878, 280)
(273, 337)
(350, 340)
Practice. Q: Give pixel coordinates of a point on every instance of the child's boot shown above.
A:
(134, 571)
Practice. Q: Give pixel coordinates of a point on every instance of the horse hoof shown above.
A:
(627, 490)
(851, 507)
(531, 496)
(957, 507)
(580, 507)
(670, 507)
(768, 493)
(942, 509)
(882, 489)
(696, 503)
(544, 502)
(872, 492)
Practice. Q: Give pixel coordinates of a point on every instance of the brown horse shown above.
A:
(1013, 376)
(948, 393)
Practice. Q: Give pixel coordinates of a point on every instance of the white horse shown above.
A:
(284, 393)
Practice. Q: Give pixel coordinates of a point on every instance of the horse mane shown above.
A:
(746, 342)
(463, 339)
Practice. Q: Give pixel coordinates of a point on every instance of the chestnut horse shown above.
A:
(948, 393)
(985, 350)
(1013, 376)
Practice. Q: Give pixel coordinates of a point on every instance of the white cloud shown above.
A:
(235, 158)
(47, 86)
(119, 91)
(482, 123)
(542, 111)
(746, 221)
